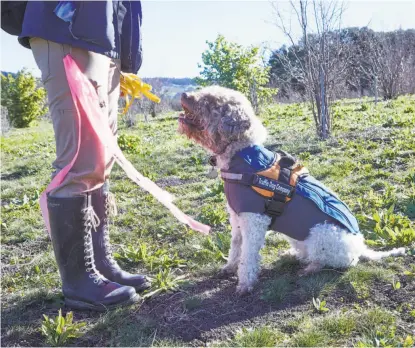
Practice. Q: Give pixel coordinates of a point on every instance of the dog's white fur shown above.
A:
(226, 124)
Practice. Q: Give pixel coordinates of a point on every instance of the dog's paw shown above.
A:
(243, 290)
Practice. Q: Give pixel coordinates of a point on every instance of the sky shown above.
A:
(175, 32)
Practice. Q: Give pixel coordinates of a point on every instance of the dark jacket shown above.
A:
(311, 204)
(111, 28)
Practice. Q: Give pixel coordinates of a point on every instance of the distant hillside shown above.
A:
(171, 87)
(168, 87)
(5, 73)
(186, 81)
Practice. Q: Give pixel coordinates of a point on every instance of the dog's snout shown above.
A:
(184, 95)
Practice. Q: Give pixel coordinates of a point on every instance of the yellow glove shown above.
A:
(131, 85)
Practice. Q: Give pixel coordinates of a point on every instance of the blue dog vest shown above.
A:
(260, 181)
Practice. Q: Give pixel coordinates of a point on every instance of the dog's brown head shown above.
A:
(216, 117)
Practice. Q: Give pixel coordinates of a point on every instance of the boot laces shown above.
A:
(91, 221)
(110, 210)
(110, 204)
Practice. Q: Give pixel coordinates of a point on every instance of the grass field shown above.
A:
(369, 161)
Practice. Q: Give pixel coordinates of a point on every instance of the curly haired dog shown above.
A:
(319, 227)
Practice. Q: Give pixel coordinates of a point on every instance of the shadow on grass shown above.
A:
(19, 173)
(22, 318)
(211, 304)
(409, 208)
(203, 308)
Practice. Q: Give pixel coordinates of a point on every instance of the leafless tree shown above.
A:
(149, 108)
(5, 122)
(387, 61)
(322, 64)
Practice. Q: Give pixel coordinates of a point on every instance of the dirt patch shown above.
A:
(218, 311)
(209, 310)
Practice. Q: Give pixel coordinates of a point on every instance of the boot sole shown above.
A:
(81, 305)
(142, 287)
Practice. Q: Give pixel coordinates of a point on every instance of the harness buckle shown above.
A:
(275, 206)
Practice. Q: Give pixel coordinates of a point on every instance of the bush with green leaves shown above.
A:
(233, 66)
(25, 102)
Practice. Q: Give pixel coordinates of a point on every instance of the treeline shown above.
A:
(366, 63)
(186, 81)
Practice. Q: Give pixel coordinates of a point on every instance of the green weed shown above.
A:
(392, 229)
(320, 306)
(158, 259)
(214, 248)
(164, 281)
(213, 215)
(60, 330)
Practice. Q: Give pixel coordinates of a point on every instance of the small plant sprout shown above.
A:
(410, 273)
(396, 285)
(320, 306)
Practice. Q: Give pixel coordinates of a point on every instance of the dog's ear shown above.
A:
(233, 125)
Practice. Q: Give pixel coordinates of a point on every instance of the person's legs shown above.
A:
(73, 220)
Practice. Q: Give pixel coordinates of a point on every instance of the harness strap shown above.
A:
(260, 181)
(277, 183)
(231, 176)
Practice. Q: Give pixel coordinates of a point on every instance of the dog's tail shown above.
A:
(376, 255)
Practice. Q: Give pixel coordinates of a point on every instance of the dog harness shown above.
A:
(276, 184)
